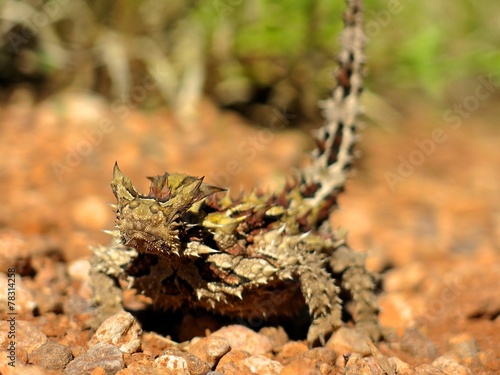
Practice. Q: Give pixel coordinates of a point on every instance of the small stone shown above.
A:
(103, 355)
(377, 261)
(196, 366)
(300, 361)
(78, 350)
(398, 365)
(325, 369)
(51, 275)
(349, 340)
(376, 369)
(137, 358)
(237, 368)
(91, 212)
(47, 302)
(28, 337)
(152, 369)
(140, 363)
(232, 357)
(98, 371)
(396, 311)
(408, 371)
(154, 344)
(79, 270)
(13, 249)
(176, 365)
(341, 360)
(51, 355)
(450, 367)
(321, 355)
(210, 349)
(415, 343)
(277, 335)
(242, 338)
(474, 294)
(75, 305)
(464, 346)
(6, 367)
(121, 330)
(302, 366)
(356, 366)
(427, 370)
(291, 351)
(21, 356)
(404, 278)
(258, 364)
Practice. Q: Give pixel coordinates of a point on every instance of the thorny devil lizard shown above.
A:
(257, 255)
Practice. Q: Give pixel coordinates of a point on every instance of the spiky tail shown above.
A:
(325, 178)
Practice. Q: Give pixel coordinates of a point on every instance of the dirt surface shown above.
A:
(424, 205)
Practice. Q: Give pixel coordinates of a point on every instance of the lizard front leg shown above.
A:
(361, 284)
(321, 296)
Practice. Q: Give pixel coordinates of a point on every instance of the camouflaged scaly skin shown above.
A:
(258, 255)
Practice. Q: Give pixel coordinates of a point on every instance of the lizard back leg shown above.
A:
(321, 296)
(361, 284)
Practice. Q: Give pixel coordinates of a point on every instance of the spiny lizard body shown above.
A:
(258, 255)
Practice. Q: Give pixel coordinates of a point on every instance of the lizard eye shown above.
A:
(134, 204)
(154, 208)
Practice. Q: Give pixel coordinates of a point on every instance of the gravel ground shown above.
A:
(429, 220)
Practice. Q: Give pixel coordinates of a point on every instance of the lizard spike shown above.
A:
(197, 249)
(253, 196)
(226, 200)
(305, 235)
(322, 339)
(209, 250)
(199, 294)
(114, 233)
(269, 270)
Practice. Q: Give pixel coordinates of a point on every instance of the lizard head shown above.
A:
(151, 223)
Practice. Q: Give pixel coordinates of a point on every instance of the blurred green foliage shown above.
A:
(241, 52)
(429, 45)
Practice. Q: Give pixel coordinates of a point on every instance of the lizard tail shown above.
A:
(325, 177)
